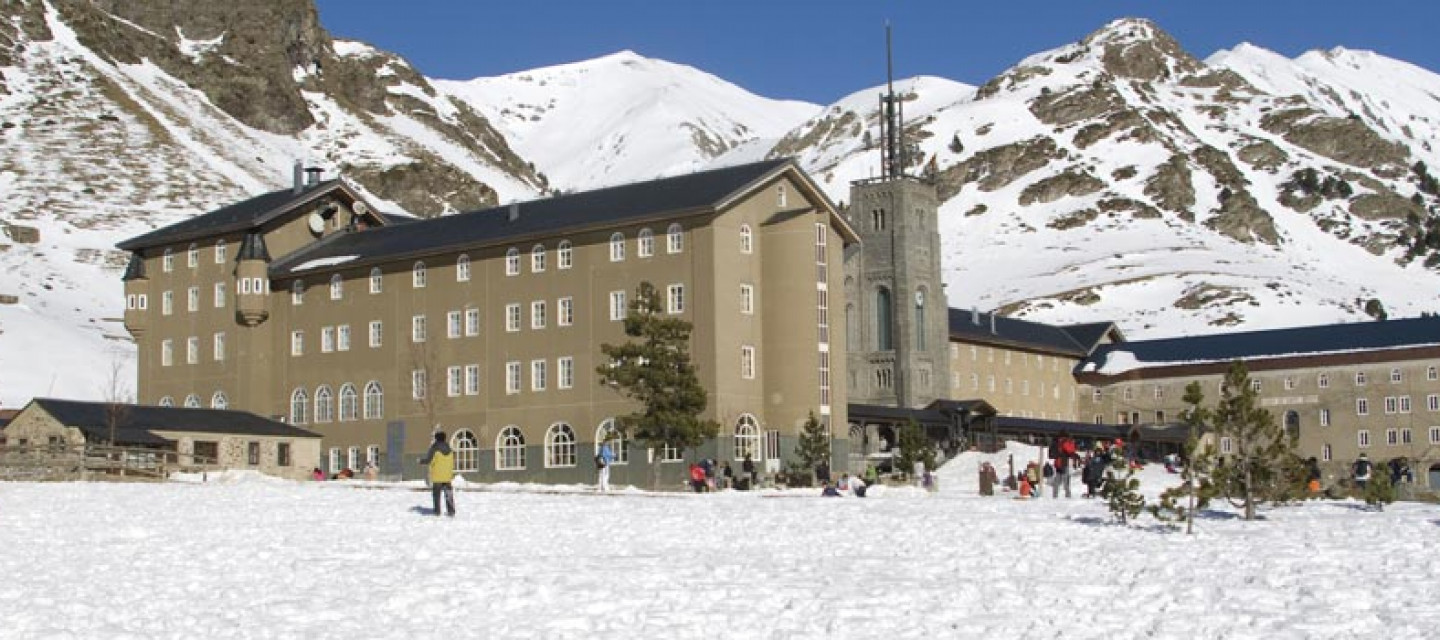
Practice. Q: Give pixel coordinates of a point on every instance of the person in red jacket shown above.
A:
(697, 477)
(1064, 457)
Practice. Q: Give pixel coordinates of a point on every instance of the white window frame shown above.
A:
(512, 377)
(217, 347)
(297, 293)
(297, 343)
(192, 299)
(564, 255)
(510, 449)
(618, 308)
(747, 362)
(327, 339)
(472, 379)
(747, 299)
(617, 247)
(512, 317)
(337, 287)
(167, 353)
(417, 384)
(674, 238)
(220, 252)
(377, 280)
(374, 403)
(645, 243)
(219, 295)
(417, 328)
(675, 299)
(537, 259)
(1434, 435)
(167, 264)
(454, 324)
(1432, 402)
(472, 322)
(1362, 438)
(538, 311)
(1324, 417)
(565, 372)
(418, 275)
(539, 374)
(565, 311)
(454, 381)
(747, 239)
(377, 334)
(342, 337)
(560, 446)
(512, 261)
(462, 268)
(192, 256)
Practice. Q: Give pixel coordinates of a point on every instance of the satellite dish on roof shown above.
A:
(316, 222)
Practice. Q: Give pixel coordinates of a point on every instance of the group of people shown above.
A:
(847, 485)
(705, 476)
(1361, 471)
(372, 473)
(1055, 469)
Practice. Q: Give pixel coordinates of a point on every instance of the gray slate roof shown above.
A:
(246, 214)
(137, 422)
(1274, 343)
(973, 326)
(613, 206)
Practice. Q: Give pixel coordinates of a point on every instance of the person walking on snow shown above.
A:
(441, 461)
(603, 460)
(1064, 458)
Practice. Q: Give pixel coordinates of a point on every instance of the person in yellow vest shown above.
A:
(441, 461)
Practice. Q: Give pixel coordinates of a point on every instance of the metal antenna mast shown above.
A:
(892, 121)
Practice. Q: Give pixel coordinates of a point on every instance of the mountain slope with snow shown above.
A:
(623, 118)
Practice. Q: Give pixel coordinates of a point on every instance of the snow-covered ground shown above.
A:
(248, 557)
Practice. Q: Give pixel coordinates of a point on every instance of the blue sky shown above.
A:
(821, 50)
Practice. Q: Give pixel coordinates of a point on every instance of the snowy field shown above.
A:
(248, 557)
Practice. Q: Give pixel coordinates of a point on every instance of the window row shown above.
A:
(218, 400)
(192, 350)
(192, 299)
(350, 458)
(350, 406)
(1290, 383)
(644, 244)
(192, 256)
(539, 314)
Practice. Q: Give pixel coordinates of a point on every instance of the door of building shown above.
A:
(395, 448)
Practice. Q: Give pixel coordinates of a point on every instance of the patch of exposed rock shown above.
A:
(1170, 186)
(1242, 219)
(1346, 140)
(22, 234)
(1218, 78)
(998, 166)
(845, 125)
(1066, 183)
(1074, 219)
(1134, 48)
(1009, 80)
(1262, 154)
(1205, 295)
(1385, 205)
(1061, 108)
(1137, 209)
(424, 187)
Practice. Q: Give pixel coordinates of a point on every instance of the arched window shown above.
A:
(510, 449)
(349, 403)
(219, 252)
(377, 280)
(299, 406)
(374, 401)
(883, 335)
(512, 262)
(192, 401)
(462, 268)
(674, 238)
(337, 287)
(747, 438)
(919, 319)
(417, 275)
(747, 239)
(324, 404)
(564, 255)
(467, 450)
(297, 292)
(192, 256)
(617, 247)
(645, 243)
(607, 432)
(537, 258)
(167, 401)
(560, 446)
(168, 263)
(219, 401)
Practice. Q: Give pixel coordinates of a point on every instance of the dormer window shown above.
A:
(780, 196)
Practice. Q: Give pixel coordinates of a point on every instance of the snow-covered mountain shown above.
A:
(1120, 178)
(624, 117)
(1117, 178)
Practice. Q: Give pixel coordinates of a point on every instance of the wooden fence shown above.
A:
(96, 462)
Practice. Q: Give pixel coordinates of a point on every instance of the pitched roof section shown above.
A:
(666, 198)
(1275, 343)
(990, 328)
(1090, 334)
(92, 418)
(246, 214)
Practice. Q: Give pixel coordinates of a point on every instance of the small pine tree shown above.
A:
(914, 446)
(1379, 491)
(813, 446)
(1197, 489)
(657, 372)
(1122, 493)
(1263, 466)
(956, 146)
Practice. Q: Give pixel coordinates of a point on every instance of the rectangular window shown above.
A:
(327, 339)
(747, 362)
(1404, 404)
(297, 343)
(1289, 383)
(167, 303)
(1362, 407)
(1159, 392)
(1432, 402)
(512, 317)
(1326, 453)
(566, 366)
(1363, 438)
(1227, 445)
(538, 375)
(1392, 437)
(220, 252)
(747, 299)
(252, 453)
(377, 280)
(537, 314)
(453, 325)
(218, 347)
(512, 377)
(219, 295)
(1434, 435)
(1407, 436)
(282, 454)
(417, 328)
(676, 298)
(342, 337)
(1324, 417)
(1359, 378)
(167, 353)
(377, 334)
(417, 384)
(565, 312)
(472, 379)
(1391, 404)
(472, 322)
(454, 381)
(192, 350)
(617, 305)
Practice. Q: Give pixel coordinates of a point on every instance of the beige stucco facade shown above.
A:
(1018, 382)
(346, 360)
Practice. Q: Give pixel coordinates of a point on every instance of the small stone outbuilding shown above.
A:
(207, 438)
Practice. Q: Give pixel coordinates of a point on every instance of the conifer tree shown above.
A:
(955, 145)
(1197, 490)
(655, 370)
(1263, 465)
(814, 444)
(1122, 493)
(914, 446)
(1379, 491)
